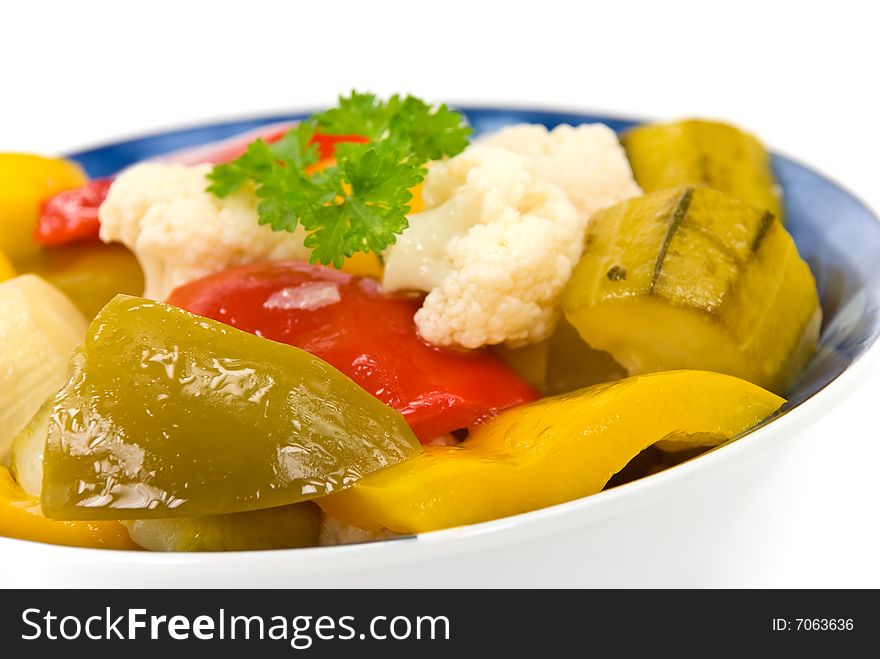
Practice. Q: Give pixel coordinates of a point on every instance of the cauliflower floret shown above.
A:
(504, 228)
(587, 162)
(180, 232)
(495, 255)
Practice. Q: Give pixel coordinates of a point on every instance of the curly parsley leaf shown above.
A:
(284, 195)
(260, 161)
(370, 208)
(358, 114)
(432, 132)
(255, 164)
(358, 204)
(296, 145)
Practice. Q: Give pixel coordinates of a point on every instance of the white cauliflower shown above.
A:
(495, 254)
(179, 232)
(504, 228)
(587, 162)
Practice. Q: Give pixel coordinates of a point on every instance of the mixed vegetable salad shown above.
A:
(369, 324)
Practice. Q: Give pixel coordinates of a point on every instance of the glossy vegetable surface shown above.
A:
(367, 335)
(551, 451)
(167, 414)
(697, 152)
(691, 278)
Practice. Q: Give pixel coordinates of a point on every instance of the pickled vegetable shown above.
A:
(28, 180)
(20, 517)
(710, 153)
(90, 275)
(167, 414)
(691, 278)
(287, 527)
(554, 450)
(573, 364)
(39, 328)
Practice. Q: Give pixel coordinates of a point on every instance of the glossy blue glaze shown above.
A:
(835, 232)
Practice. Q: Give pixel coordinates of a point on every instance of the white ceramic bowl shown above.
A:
(675, 528)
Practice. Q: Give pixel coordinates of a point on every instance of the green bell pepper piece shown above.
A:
(168, 414)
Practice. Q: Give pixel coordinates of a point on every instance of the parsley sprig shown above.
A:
(358, 204)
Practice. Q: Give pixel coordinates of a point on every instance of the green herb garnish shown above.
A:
(360, 203)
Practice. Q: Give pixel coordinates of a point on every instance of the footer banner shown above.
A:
(279, 623)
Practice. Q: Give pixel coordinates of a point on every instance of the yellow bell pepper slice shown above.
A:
(554, 450)
(26, 180)
(20, 517)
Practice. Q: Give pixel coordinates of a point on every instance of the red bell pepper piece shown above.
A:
(72, 216)
(370, 336)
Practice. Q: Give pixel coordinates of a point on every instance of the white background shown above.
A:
(801, 75)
